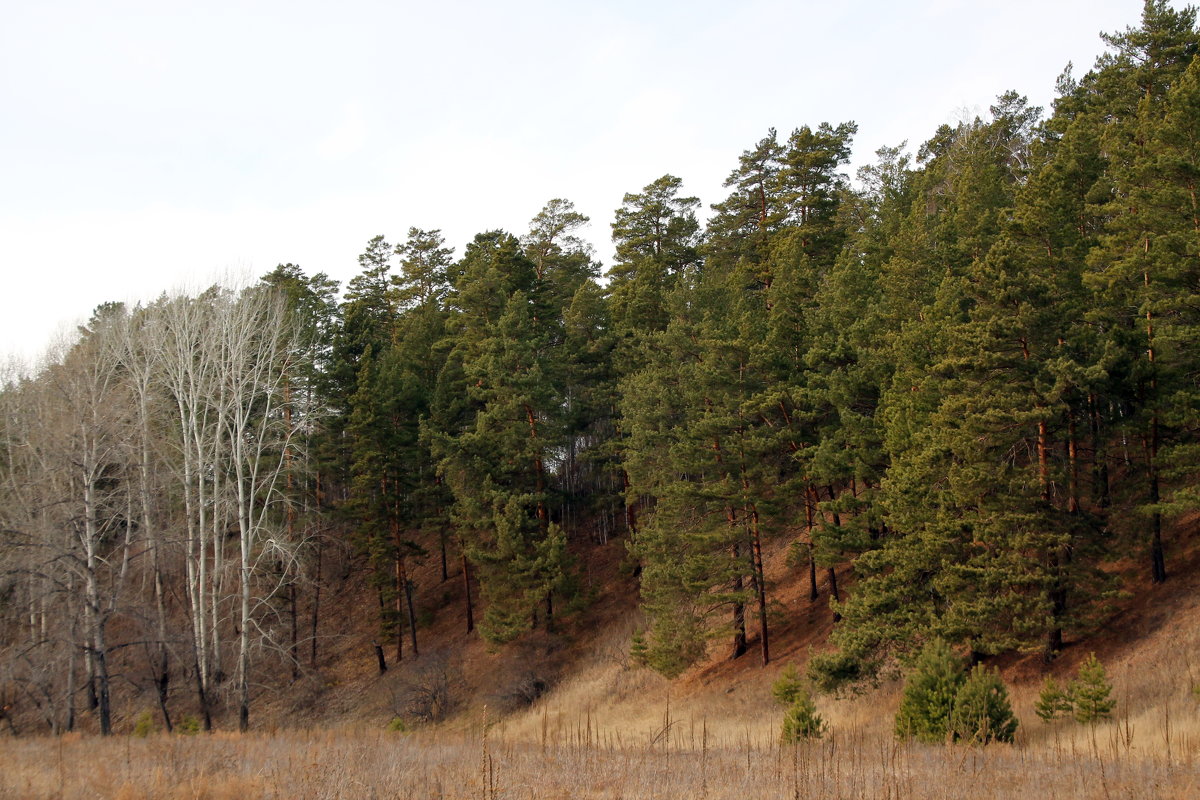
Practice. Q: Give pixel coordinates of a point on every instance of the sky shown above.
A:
(158, 146)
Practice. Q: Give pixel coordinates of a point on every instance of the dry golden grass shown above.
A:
(854, 762)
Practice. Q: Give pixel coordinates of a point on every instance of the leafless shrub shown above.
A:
(425, 693)
(520, 691)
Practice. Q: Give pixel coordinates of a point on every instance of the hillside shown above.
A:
(584, 682)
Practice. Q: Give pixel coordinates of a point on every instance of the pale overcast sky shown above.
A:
(147, 146)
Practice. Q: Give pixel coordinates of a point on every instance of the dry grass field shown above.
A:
(852, 763)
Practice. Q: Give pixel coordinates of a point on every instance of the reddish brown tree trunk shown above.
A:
(760, 584)
(1158, 565)
(833, 585)
(809, 510)
(466, 576)
(412, 611)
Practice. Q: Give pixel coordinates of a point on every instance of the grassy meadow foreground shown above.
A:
(858, 763)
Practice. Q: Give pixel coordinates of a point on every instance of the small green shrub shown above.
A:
(187, 725)
(801, 720)
(144, 725)
(1091, 692)
(929, 694)
(1053, 701)
(982, 712)
(787, 686)
(397, 725)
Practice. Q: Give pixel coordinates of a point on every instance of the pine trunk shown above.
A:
(466, 576)
(412, 611)
(813, 594)
(760, 584)
(1158, 564)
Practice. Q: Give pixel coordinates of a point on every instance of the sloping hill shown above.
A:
(581, 681)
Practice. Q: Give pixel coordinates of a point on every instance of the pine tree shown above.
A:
(368, 314)
(425, 264)
(969, 387)
(1090, 692)
(410, 376)
(655, 233)
(378, 495)
(693, 448)
(742, 225)
(577, 322)
(1053, 701)
(590, 478)
(982, 712)
(812, 188)
(1137, 271)
(929, 692)
(801, 720)
(767, 249)
(1180, 168)
(494, 424)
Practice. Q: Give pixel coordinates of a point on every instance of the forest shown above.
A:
(968, 378)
